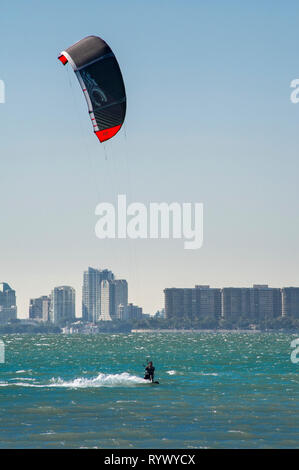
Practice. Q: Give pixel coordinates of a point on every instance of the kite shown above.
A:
(101, 80)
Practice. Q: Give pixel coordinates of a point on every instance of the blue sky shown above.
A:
(209, 120)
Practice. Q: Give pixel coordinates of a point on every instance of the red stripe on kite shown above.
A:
(106, 134)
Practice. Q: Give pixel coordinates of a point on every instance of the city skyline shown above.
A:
(95, 306)
(232, 298)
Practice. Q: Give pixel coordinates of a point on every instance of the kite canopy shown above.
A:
(101, 81)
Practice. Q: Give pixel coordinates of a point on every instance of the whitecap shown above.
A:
(101, 380)
(209, 373)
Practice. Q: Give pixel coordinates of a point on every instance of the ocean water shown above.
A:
(222, 390)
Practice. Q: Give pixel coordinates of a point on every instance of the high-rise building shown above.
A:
(8, 308)
(191, 303)
(46, 308)
(107, 301)
(133, 312)
(122, 312)
(290, 302)
(120, 295)
(62, 307)
(207, 302)
(235, 303)
(130, 312)
(174, 303)
(91, 293)
(257, 303)
(265, 302)
(39, 309)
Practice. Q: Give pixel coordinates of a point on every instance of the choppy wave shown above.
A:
(101, 380)
(209, 373)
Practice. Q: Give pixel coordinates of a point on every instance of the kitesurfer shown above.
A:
(149, 372)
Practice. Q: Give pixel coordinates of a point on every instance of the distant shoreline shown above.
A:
(198, 331)
(36, 331)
